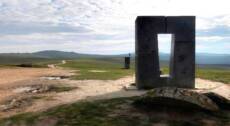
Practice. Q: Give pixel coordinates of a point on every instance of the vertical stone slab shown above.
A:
(182, 64)
(182, 61)
(147, 57)
(127, 63)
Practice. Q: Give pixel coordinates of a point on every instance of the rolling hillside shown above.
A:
(14, 58)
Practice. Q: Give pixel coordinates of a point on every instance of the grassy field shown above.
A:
(119, 111)
(14, 61)
(214, 74)
(114, 112)
(220, 75)
(113, 69)
(107, 70)
(34, 64)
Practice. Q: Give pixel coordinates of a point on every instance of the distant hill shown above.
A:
(19, 58)
(58, 54)
(201, 58)
(53, 54)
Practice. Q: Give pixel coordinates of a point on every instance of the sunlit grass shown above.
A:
(110, 70)
(113, 69)
(220, 75)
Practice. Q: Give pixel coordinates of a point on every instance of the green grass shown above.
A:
(108, 113)
(220, 75)
(80, 114)
(112, 70)
(214, 74)
(17, 61)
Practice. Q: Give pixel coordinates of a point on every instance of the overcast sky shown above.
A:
(104, 26)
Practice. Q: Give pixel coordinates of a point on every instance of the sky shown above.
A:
(105, 26)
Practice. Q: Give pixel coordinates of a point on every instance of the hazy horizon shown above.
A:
(106, 54)
(104, 26)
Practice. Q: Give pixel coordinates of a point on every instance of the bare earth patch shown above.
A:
(211, 86)
(16, 77)
(14, 81)
(98, 71)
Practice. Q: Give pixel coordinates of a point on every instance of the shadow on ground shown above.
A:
(117, 109)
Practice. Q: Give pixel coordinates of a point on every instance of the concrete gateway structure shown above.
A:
(182, 60)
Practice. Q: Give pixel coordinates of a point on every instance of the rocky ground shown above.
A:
(29, 89)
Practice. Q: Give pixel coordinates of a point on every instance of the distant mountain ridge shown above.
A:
(201, 58)
(58, 54)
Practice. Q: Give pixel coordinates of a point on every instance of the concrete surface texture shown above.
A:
(182, 60)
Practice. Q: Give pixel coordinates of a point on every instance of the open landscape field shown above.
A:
(112, 68)
(94, 92)
(114, 63)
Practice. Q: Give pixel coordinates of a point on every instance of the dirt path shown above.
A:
(216, 87)
(87, 89)
(99, 89)
(16, 77)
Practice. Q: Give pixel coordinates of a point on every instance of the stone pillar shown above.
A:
(182, 62)
(147, 59)
(127, 63)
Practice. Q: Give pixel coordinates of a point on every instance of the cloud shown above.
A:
(219, 30)
(30, 28)
(212, 38)
(84, 43)
(101, 25)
